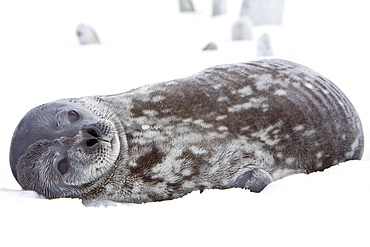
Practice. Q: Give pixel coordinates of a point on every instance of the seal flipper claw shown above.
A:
(255, 180)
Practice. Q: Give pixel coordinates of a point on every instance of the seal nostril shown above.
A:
(93, 132)
(91, 142)
(92, 136)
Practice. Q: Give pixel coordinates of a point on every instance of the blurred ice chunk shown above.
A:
(186, 6)
(218, 7)
(264, 48)
(242, 29)
(87, 35)
(263, 12)
(210, 46)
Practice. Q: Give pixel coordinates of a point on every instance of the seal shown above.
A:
(238, 125)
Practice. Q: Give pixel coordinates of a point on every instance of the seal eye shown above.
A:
(63, 166)
(73, 116)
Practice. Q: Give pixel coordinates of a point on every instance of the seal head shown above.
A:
(63, 146)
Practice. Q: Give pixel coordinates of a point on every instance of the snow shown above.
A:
(147, 41)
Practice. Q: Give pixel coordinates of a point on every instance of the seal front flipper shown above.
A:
(255, 180)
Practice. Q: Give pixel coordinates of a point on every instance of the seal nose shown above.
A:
(92, 136)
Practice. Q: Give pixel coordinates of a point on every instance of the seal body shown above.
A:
(239, 125)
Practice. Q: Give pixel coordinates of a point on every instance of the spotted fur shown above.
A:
(238, 125)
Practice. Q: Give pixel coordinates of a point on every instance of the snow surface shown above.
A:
(147, 41)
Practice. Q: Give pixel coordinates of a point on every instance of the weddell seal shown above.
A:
(239, 125)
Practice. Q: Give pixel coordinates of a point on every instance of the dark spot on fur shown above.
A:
(148, 161)
(196, 160)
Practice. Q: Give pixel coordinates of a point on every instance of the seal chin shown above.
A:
(60, 149)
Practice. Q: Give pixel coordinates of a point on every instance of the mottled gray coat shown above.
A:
(239, 125)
